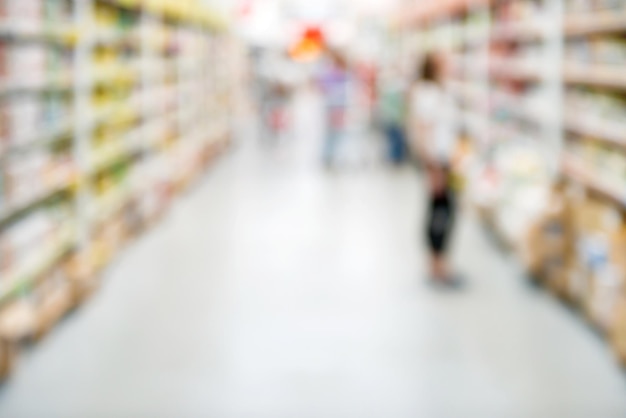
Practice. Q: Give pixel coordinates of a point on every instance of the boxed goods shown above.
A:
(3, 202)
(605, 290)
(80, 270)
(618, 332)
(56, 111)
(59, 11)
(17, 323)
(22, 12)
(25, 63)
(578, 281)
(577, 248)
(609, 50)
(604, 50)
(585, 6)
(107, 241)
(54, 298)
(35, 175)
(24, 242)
(21, 118)
(601, 245)
(7, 358)
(547, 248)
(19, 240)
(4, 64)
(521, 10)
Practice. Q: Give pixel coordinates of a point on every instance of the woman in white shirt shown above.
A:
(435, 135)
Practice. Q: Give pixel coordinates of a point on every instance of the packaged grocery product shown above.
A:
(53, 298)
(59, 11)
(22, 12)
(26, 64)
(608, 50)
(4, 60)
(22, 116)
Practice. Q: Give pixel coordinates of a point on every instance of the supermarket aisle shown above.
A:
(278, 290)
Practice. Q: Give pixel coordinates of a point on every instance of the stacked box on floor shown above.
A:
(548, 248)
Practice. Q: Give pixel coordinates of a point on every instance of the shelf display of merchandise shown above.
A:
(523, 117)
(107, 110)
(594, 162)
(549, 170)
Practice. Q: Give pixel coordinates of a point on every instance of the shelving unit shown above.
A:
(595, 158)
(524, 112)
(107, 110)
(551, 170)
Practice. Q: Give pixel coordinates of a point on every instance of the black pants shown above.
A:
(440, 221)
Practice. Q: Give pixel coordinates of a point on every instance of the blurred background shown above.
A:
(216, 208)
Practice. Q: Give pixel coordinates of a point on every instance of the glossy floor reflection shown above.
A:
(278, 290)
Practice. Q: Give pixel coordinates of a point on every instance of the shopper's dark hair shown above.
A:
(429, 70)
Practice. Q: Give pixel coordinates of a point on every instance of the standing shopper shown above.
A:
(276, 111)
(435, 129)
(392, 106)
(275, 96)
(334, 84)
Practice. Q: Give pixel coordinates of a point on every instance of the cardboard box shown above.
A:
(548, 245)
(55, 302)
(555, 274)
(605, 293)
(578, 282)
(617, 255)
(8, 354)
(17, 321)
(81, 273)
(618, 332)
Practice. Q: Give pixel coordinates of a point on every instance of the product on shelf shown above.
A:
(585, 6)
(22, 12)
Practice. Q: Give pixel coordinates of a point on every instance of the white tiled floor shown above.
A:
(277, 290)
